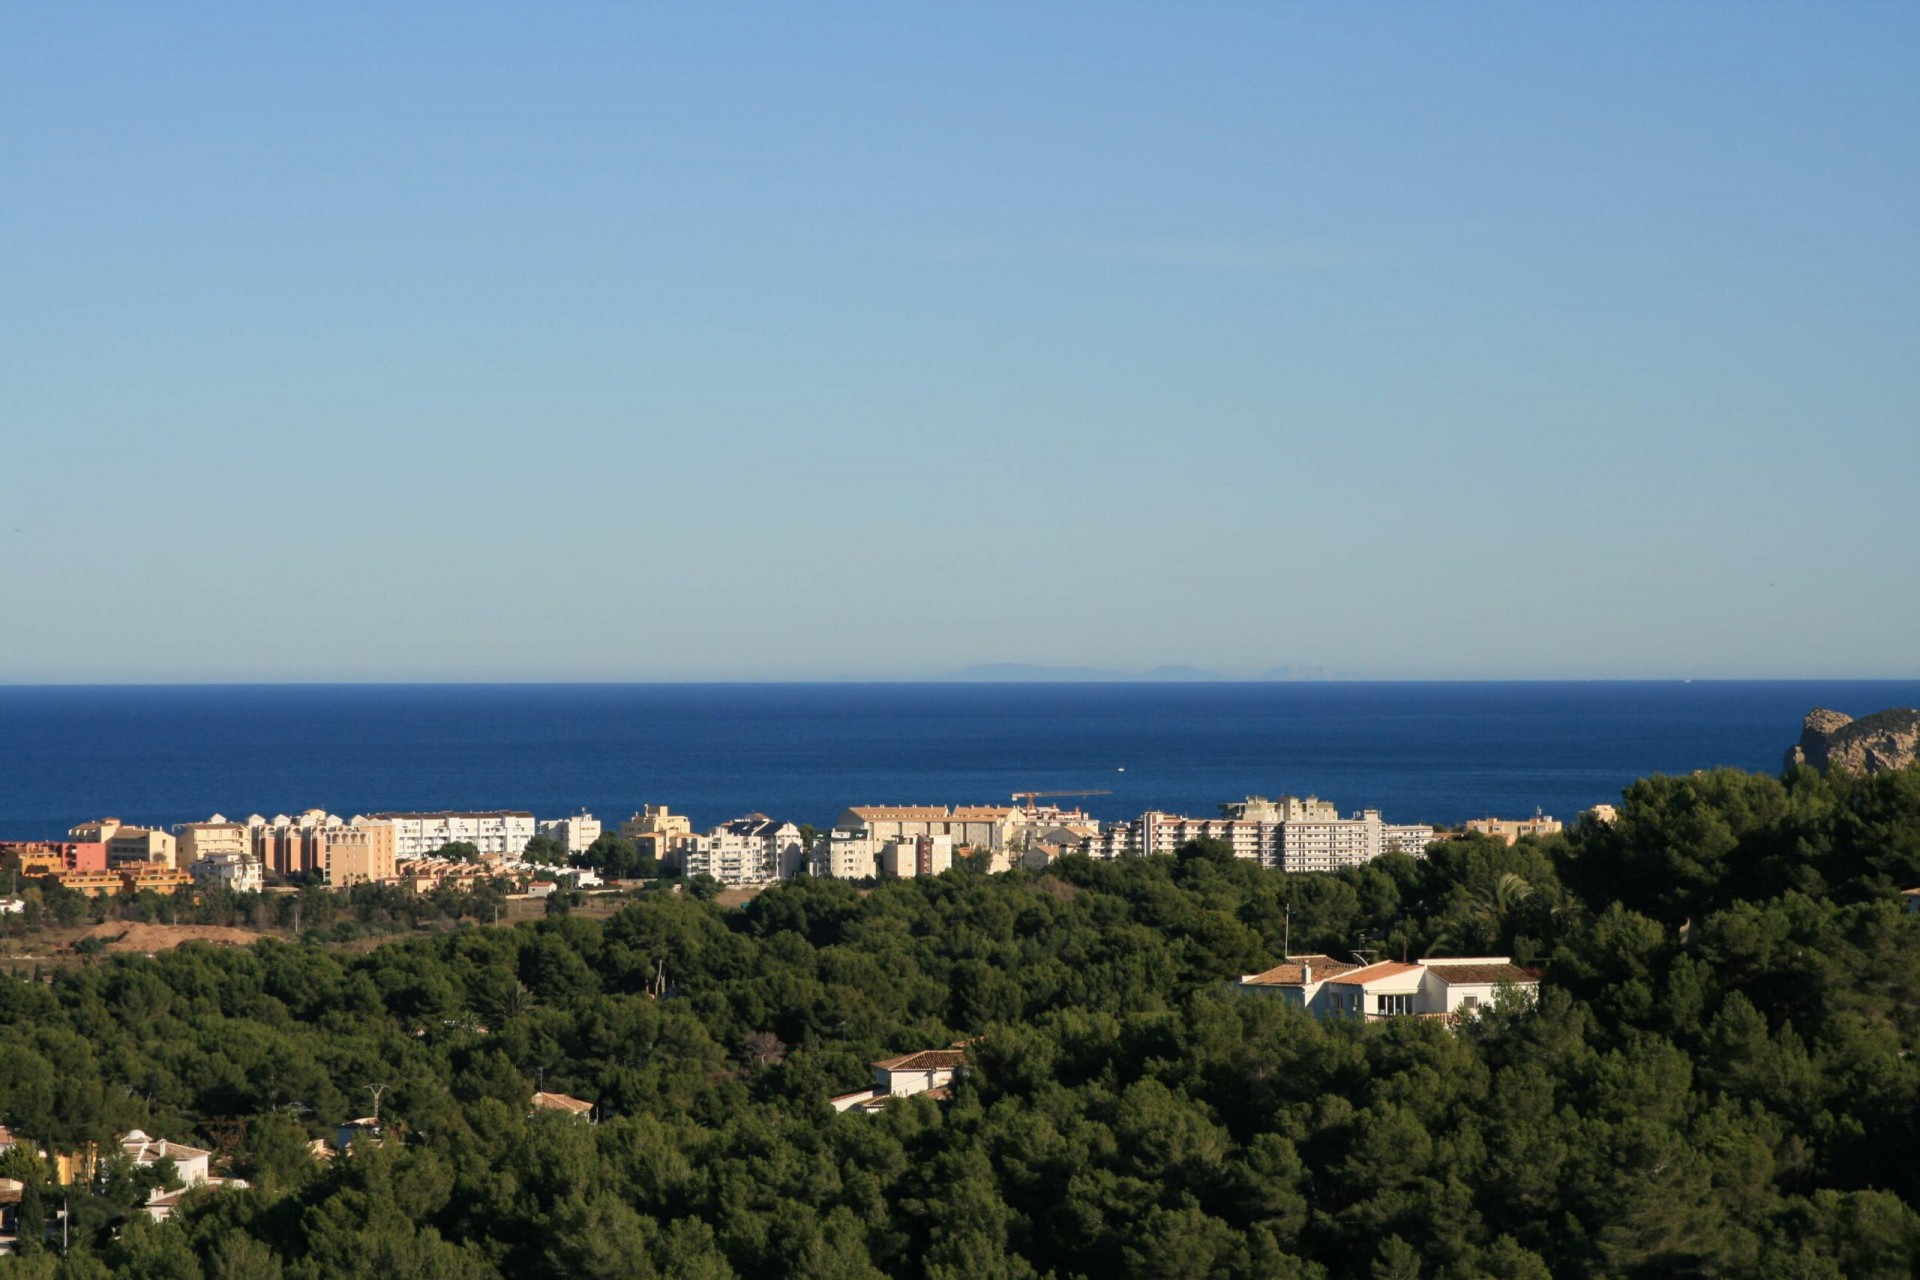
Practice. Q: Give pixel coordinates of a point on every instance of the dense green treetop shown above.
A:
(1719, 1078)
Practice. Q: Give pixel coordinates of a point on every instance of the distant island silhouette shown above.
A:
(1012, 672)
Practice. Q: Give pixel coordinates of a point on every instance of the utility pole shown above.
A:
(1286, 932)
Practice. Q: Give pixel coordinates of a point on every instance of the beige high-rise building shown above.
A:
(360, 853)
(655, 820)
(659, 834)
(99, 831)
(131, 845)
(209, 839)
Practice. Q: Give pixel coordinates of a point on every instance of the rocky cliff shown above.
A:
(1884, 740)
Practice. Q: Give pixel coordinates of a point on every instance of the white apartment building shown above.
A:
(847, 854)
(573, 834)
(240, 872)
(750, 850)
(417, 835)
(916, 856)
(1309, 836)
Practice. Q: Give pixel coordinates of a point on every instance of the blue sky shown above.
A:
(617, 342)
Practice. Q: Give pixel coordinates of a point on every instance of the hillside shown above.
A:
(1720, 1077)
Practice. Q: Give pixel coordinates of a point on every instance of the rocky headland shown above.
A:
(1884, 740)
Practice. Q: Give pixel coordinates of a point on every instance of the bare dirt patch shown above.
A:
(144, 939)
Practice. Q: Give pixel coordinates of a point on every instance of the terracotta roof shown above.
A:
(561, 1102)
(979, 813)
(925, 1060)
(900, 813)
(140, 1147)
(1487, 973)
(1375, 972)
(1289, 973)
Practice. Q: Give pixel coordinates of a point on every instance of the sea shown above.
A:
(1419, 752)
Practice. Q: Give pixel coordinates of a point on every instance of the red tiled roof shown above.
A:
(561, 1102)
(1290, 974)
(926, 1060)
(1374, 972)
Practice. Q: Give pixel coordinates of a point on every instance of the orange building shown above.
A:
(94, 883)
(132, 878)
(34, 858)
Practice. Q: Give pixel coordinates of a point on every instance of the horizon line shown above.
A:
(402, 682)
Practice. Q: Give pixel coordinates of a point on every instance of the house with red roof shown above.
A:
(1440, 987)
(929, 1072)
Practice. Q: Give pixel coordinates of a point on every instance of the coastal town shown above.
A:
(421, 852)
(424, 851)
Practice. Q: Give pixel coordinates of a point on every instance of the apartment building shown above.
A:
(978, 826)
(362, 852)
(656, 819)
(292, 846)
(916, 856)
(240, 872)
(131, 877)
(31, 859)
(658, 833)
(503, 831)
(126, 843)
(1308, 835)
(750, 850)
(845, 854)
(1511, 829)
(572, 834)
(1285, 809)
(215, 836)
(135, 846)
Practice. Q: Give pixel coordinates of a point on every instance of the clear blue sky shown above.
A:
(611, 342)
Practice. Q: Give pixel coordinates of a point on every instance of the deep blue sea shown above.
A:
(1438, 752)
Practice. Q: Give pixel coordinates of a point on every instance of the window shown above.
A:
(1396, 1005)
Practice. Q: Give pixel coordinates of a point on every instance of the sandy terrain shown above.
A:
(147, 938)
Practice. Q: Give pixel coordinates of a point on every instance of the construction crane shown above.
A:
(1031, 796)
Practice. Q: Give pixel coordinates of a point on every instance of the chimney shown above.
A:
(1306, 973)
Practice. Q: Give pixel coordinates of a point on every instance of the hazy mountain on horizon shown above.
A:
(1011, 672)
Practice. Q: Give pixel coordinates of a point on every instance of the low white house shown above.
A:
(1446, 986)
(145, 1152)
(929, 1072)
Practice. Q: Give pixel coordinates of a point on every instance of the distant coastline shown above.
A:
(1440, 752)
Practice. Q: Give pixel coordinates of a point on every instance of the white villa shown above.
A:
(928, 1072)
(1446, 986)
